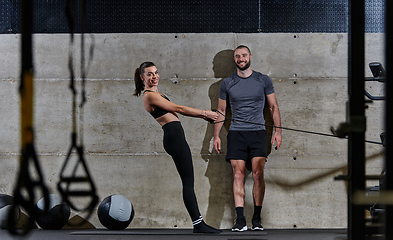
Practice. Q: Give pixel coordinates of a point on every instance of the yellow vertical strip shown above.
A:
(27, 108)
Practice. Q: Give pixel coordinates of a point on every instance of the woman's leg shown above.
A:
(175, 144)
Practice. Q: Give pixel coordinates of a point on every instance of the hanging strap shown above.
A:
(70, 185)
(78, 183)
(27, 185)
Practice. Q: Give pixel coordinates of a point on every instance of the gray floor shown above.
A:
(163, 234)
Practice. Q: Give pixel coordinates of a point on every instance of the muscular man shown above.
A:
(247, 91)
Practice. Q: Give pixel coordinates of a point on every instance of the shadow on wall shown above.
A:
(219, 172)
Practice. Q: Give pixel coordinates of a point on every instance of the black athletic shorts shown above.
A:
(245, 145)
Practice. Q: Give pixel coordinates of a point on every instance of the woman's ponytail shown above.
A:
(139, 85)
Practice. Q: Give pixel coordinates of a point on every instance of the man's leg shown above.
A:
(258, 166)
(239, 173)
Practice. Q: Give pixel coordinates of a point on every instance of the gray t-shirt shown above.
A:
(247, 99)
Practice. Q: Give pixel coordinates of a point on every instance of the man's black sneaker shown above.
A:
(256, 224)
(240, 225)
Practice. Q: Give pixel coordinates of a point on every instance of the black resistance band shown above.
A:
(285, 128)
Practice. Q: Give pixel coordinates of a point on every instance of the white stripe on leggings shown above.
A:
(198, 221)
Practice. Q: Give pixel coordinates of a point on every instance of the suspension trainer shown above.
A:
(290, 129)
(75, 180)
(27, 184)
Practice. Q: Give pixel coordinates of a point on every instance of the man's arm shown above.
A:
(275, 113)
(222, 105)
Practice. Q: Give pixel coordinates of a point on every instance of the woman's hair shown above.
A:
(139, 85)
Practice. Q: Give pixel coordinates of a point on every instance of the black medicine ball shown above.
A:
(6, 202)
(57, 215)
(115, 212)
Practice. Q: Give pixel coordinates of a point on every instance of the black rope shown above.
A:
(65, 183)
(285, 128)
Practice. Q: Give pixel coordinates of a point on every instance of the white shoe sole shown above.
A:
(240, 230)
(257, 229)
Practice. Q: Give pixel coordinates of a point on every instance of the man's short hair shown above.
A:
(243, 46)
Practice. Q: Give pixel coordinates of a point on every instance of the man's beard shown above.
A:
(245, 66)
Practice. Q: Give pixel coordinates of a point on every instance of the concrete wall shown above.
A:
(123, 143)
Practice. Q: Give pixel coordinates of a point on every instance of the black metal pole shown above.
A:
(356, 117)
(388, 115)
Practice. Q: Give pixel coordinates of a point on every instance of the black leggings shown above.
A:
(175, 144)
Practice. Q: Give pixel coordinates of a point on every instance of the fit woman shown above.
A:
(175, 144)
